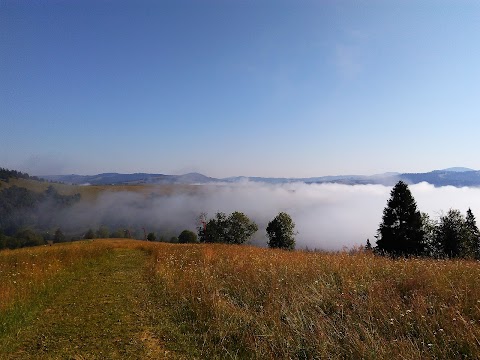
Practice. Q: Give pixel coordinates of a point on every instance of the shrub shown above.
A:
(187, 237)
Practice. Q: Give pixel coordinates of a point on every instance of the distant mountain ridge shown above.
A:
(456, 176)
(130, 179)
(457, 169)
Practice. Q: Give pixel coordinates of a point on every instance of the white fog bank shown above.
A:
(327, 216)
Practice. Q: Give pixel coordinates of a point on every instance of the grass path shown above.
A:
(105, 312)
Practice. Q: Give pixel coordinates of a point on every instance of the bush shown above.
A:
(187, 237)
(29, 237)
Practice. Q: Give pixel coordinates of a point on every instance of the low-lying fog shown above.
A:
(327, 216)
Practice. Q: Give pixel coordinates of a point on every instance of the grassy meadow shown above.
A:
(222, 301)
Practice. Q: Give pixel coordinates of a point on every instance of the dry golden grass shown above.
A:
(259, 303)
(221, 301)
(28, 270)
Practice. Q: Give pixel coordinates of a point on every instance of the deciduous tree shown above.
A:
(281, 232)
(187, 237)
(237, 228)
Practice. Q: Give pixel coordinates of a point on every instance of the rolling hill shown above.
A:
(456, 176)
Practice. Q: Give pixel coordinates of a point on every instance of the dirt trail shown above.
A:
(104, 314)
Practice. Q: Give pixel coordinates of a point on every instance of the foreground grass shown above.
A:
(247, 302)
(103, 310)
(30, 271)
(131, 299)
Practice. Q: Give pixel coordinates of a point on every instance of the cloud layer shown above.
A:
(327, 216)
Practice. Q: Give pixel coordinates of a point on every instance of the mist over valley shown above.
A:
(331, 215)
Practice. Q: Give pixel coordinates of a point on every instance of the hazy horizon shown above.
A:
(236, 175)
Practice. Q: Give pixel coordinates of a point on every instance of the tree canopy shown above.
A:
(187, 237)
(236, 228)
(281, 232)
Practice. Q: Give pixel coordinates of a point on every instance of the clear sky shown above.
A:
(230, 87)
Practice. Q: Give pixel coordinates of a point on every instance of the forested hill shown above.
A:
(444, 178)
(6, 175)
(28, 209)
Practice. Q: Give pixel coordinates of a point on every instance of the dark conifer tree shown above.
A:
(472, 235)
(400, 233)
(452, 235)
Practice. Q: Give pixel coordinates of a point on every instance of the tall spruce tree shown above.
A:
(472, 236)
(400, 233)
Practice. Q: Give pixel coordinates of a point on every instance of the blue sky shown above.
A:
(256, 88)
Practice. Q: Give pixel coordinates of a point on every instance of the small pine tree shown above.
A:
(368, 246)
(89, 234)
(151, 237)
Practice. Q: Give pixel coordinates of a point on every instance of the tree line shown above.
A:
(405, 231)
(26, 216)
(6, 175)
(237, 228)
(19, 207)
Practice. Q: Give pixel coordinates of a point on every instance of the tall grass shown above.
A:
(27, 271)
(247, 302)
